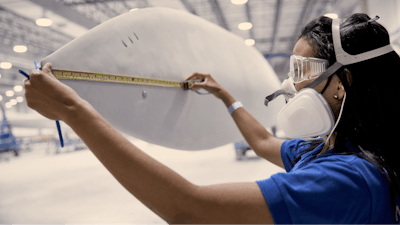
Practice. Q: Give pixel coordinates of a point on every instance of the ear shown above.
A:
(340, 91)
(349, 76)
(340, 88)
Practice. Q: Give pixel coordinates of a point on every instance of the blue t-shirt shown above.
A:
(332, 188)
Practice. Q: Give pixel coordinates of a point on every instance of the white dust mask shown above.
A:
(306, 115)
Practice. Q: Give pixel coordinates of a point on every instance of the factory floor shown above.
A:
(40, 187)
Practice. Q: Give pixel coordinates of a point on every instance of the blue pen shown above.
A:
(23, 73)
(57, 122)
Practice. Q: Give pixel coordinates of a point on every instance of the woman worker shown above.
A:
(348, 176)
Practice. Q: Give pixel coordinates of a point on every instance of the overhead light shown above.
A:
(5, 65)
(18, 88)
(332, 15)
(19, 99)
(239, 2)
(9, 93)
(250, 42)
(8, 105)
(44, 22)
(13, 101)
(1, 98)
(0, 75)
(245, 26)
(133, 9)
(20, 48)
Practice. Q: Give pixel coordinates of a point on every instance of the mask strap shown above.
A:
(276, 94)
(329, 72)
(326, 85)
(345, 58)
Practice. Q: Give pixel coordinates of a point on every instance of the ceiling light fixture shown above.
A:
(19, 99)
(5, 65)
(239, 2)
(8, 105)
(44, 21)
(9, 93)
(250, 42)
(332, 15)
(18, 88)
(245, 26)
(13, 101)
(20, 48)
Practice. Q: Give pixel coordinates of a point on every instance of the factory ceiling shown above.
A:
(275, 24)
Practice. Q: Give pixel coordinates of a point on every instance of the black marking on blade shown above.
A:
(130, 39)
(136, 36)
(185, 86)
(124, 43)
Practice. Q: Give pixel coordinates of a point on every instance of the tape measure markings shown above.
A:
(75, 75)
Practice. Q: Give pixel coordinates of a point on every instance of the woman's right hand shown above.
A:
(48, 96)
(209, 84)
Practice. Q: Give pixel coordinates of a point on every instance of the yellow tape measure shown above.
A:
(75, 75)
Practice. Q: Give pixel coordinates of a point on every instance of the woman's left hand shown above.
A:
(209, 84)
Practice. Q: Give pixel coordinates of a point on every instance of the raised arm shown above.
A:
(162, 190)
(260, 140)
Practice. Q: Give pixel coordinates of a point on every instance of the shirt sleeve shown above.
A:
(289, 150)
(325, 192)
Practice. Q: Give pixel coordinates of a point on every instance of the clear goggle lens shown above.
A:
(306, 68)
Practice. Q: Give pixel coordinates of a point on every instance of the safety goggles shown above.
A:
(306, 68)
(342, 59)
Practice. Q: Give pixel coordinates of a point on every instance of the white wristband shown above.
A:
(234, 106)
